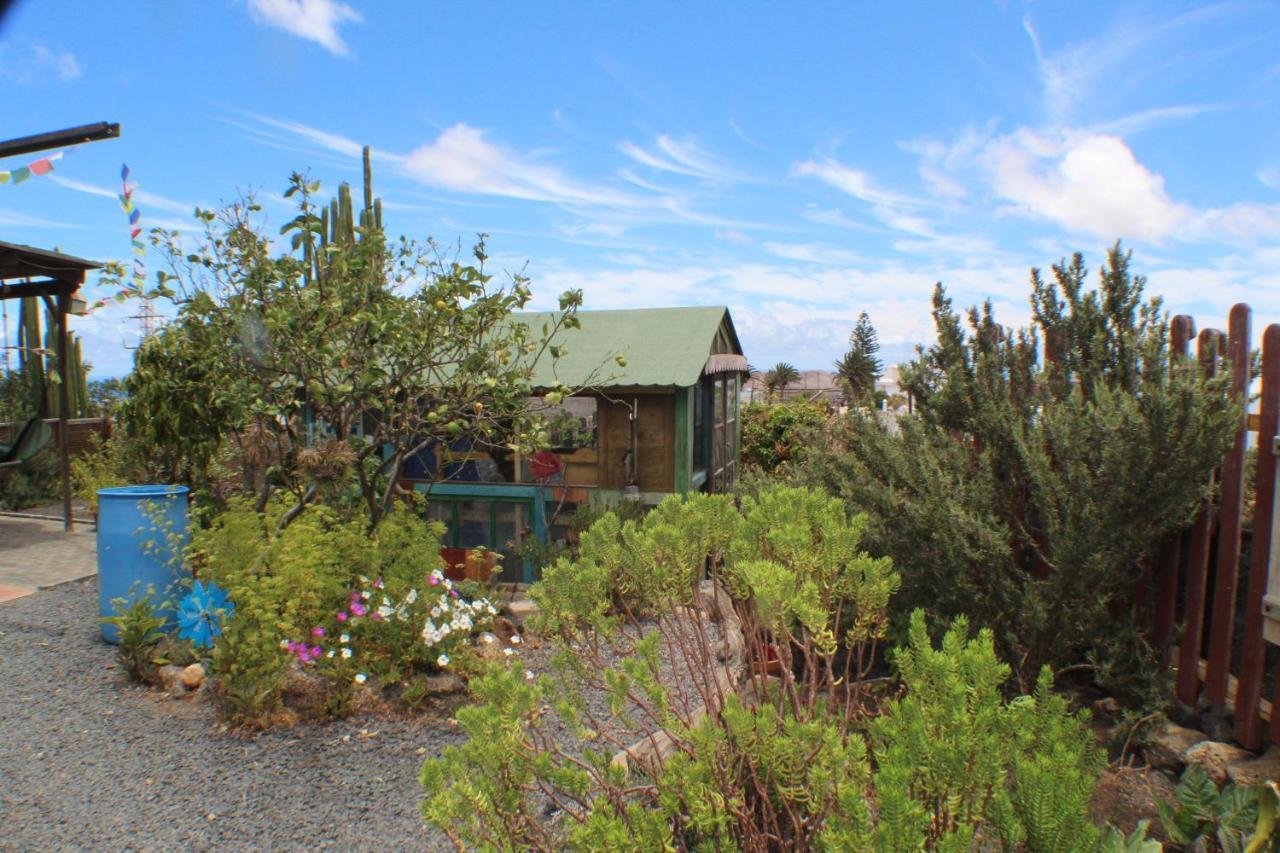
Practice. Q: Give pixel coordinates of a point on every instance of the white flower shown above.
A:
(412, 596)
(330, 654)
(443, 660)
(385, 611)
(284, 644)
(360, 677)
(493, 611)
(364, 593)
(363, 579)
(515, 639)
(508, 652)
(528, 673)
(435, 612)
(344, 639)
(346, 653)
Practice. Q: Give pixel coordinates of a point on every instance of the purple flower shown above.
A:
(342, 617)
(317, 631)
(376, 617)
(315, 651)
(453, 592)
(357, 608)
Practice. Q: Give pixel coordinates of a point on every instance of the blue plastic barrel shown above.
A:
(141, 531)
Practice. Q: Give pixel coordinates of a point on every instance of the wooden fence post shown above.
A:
(1188, 684)
(1181, 330)
(1231, 503)
(1253, 654)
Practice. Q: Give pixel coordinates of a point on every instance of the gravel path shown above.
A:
(89, 761)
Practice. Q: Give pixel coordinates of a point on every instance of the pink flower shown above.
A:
(357, 608)
(454, 593)
(375, 616)
(317, 631)
(377, 584)
(315, 651)
(342, 617)
(433, 580)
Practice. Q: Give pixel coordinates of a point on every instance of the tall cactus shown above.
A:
(338, 221)
(30, 356)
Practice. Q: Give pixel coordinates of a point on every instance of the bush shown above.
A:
(698, 749)
(325, 592)
(773, 436)
(1032, 496)
(32, 483)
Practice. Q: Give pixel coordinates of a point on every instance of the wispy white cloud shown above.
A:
(37, 61)
(462, 160)
(18, 219)
(814, 253)
(142, 196)
(681, 157)
(313, 20)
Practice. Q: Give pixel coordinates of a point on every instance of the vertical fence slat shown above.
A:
(1181, 330)
(1253, 654)
(1223, 622)
(1188, 685)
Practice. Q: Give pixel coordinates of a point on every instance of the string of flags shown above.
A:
(135, 227)
(37, 167)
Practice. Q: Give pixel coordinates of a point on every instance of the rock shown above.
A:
(488, 646)
(1107, 707)
(192, 677)
(169, 676)
(1169, 743)
(444, 683)
(521, 609)
(1257, 771)
(505, 629)
(1126, 795)
(1215, 757)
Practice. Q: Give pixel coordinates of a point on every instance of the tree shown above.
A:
(1033, 493)
(348, 354)
(778, 377)
(860, 368)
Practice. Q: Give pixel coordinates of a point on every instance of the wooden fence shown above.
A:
(1221, 656)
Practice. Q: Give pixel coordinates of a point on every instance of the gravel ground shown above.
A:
(89, 761)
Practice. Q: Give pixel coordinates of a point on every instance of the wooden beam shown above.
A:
(64, 400)
(46, 288)
(59, 138)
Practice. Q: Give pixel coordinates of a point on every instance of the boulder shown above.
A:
(520, 609)
(192, 676)
(1259, 770)
(169, 677)
(444, 683)
(488, 646)
(1107, 707)
(505, 629)
(1169, 743)
(1216, 757)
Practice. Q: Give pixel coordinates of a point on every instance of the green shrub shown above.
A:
(1033, 497)
(1235, 818)
(774, 436)
(755, 764)
(32, 483)
(140, 633)
(367, 600)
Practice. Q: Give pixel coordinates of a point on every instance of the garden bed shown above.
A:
(88, 759)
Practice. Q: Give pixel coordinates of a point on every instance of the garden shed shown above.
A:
(657, 414)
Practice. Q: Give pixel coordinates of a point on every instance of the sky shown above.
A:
(800, 163)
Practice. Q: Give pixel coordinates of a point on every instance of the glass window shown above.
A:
(442, 511)
(473, 524)
(572, 424)
(510, 527)
(699, 427)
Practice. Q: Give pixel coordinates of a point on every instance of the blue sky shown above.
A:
(798, 162)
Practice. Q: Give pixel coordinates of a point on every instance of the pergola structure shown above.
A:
(55, 278)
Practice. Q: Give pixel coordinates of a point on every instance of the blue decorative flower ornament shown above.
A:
(202, 612)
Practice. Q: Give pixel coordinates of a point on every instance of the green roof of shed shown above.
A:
(662, 346)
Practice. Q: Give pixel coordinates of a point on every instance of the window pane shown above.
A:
(473, 524)
(509, 530)
(442, 511)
